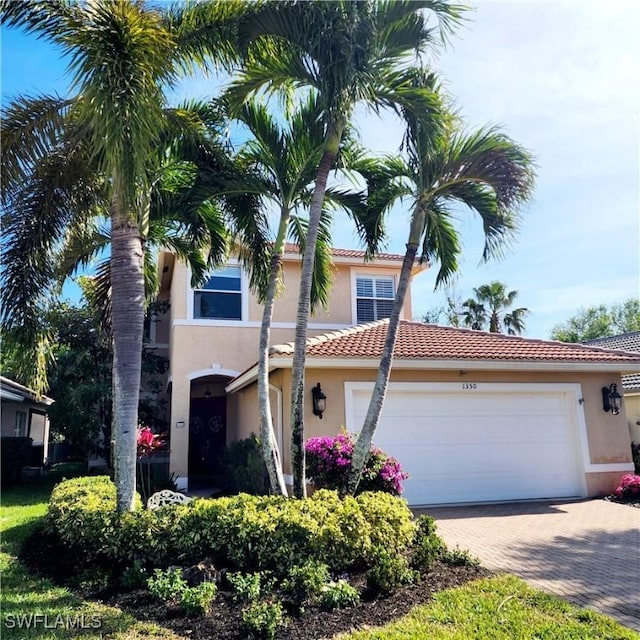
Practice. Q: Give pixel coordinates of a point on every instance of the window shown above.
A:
(221, 296)
(374, 298)
(21, 424)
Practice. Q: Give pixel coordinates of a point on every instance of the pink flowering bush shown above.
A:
(629, 488)
(329, 458)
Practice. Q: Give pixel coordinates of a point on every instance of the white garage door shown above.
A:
(474, 442)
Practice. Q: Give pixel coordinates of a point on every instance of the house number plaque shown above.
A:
(469, 386)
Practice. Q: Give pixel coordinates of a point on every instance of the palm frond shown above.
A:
(31, 128)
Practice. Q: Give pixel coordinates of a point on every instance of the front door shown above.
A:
(207, 435)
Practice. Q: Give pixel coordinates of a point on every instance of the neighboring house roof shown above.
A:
(11, 390)
(421, 345)
(628, 342)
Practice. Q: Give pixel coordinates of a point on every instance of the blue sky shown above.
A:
(560, 77)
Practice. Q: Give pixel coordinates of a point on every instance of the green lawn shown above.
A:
(61, 614)
(499, 608)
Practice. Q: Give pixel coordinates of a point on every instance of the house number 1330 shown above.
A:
(469, 385)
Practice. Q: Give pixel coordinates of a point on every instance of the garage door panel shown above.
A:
(461, 447)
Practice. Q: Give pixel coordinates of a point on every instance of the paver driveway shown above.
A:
(587, 552)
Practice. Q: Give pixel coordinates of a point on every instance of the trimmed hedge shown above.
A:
(15, 451)
(244, 532)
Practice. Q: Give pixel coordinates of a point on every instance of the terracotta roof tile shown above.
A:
(419, 341)
(348, 253)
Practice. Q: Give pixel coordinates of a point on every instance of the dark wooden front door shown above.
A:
(207, 435)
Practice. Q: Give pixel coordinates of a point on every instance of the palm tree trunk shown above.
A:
(365, 437)
(127, 304)
(332, 145)
(267, 436)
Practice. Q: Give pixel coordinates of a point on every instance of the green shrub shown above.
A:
(249, 587)
(244, 468)
(388, 572)
(167, 585)
(305, 582)
(196, 601)
(14, 452)
(82, 511)
(460, 558)
(262, 619)
(338, 595)
(428, 546)
(244, 533)
(134, 577)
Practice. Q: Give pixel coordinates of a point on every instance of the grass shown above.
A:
(61, 614)
(498, 608)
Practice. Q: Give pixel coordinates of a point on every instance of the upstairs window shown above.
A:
(221, 296)
(374, 298)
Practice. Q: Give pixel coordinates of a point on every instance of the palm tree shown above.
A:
(66, 161)
(474, 315)
(485, 172)
(284, 160)
(494, 300)
(346, 52)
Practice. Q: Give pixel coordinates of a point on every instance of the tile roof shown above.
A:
(628, 342)
(348, 253)
(419, 341)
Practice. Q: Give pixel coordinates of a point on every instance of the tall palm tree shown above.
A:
(494, 300)
(485, 172)
(67, 160)
(284, 158)
(346, 52)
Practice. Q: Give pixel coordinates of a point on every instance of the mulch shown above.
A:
(44, 555)
(224, 622)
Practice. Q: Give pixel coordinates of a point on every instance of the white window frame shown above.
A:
(355, 276)
(244, 301)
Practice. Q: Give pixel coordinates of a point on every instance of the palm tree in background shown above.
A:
(104, 153)
(346, 53)
(492, 302)
(445, 170)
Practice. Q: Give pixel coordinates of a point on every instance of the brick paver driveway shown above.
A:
(587, 552)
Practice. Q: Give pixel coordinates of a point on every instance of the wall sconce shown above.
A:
(611, 399)
(319, 401)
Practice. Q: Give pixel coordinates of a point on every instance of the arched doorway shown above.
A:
(207, 429)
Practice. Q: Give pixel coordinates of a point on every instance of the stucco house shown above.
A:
(24, 414)
(630, 382)
(472, 416)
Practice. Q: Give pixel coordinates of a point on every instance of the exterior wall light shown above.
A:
(611, 399)
(319, 401)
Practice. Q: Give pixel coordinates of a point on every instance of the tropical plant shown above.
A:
(283, 159)
(491, 303)
(484, 171)
(110, 152)
(601, 321)
(346, 53)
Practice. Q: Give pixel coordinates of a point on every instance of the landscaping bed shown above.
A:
(227, 568)
(224, 621)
